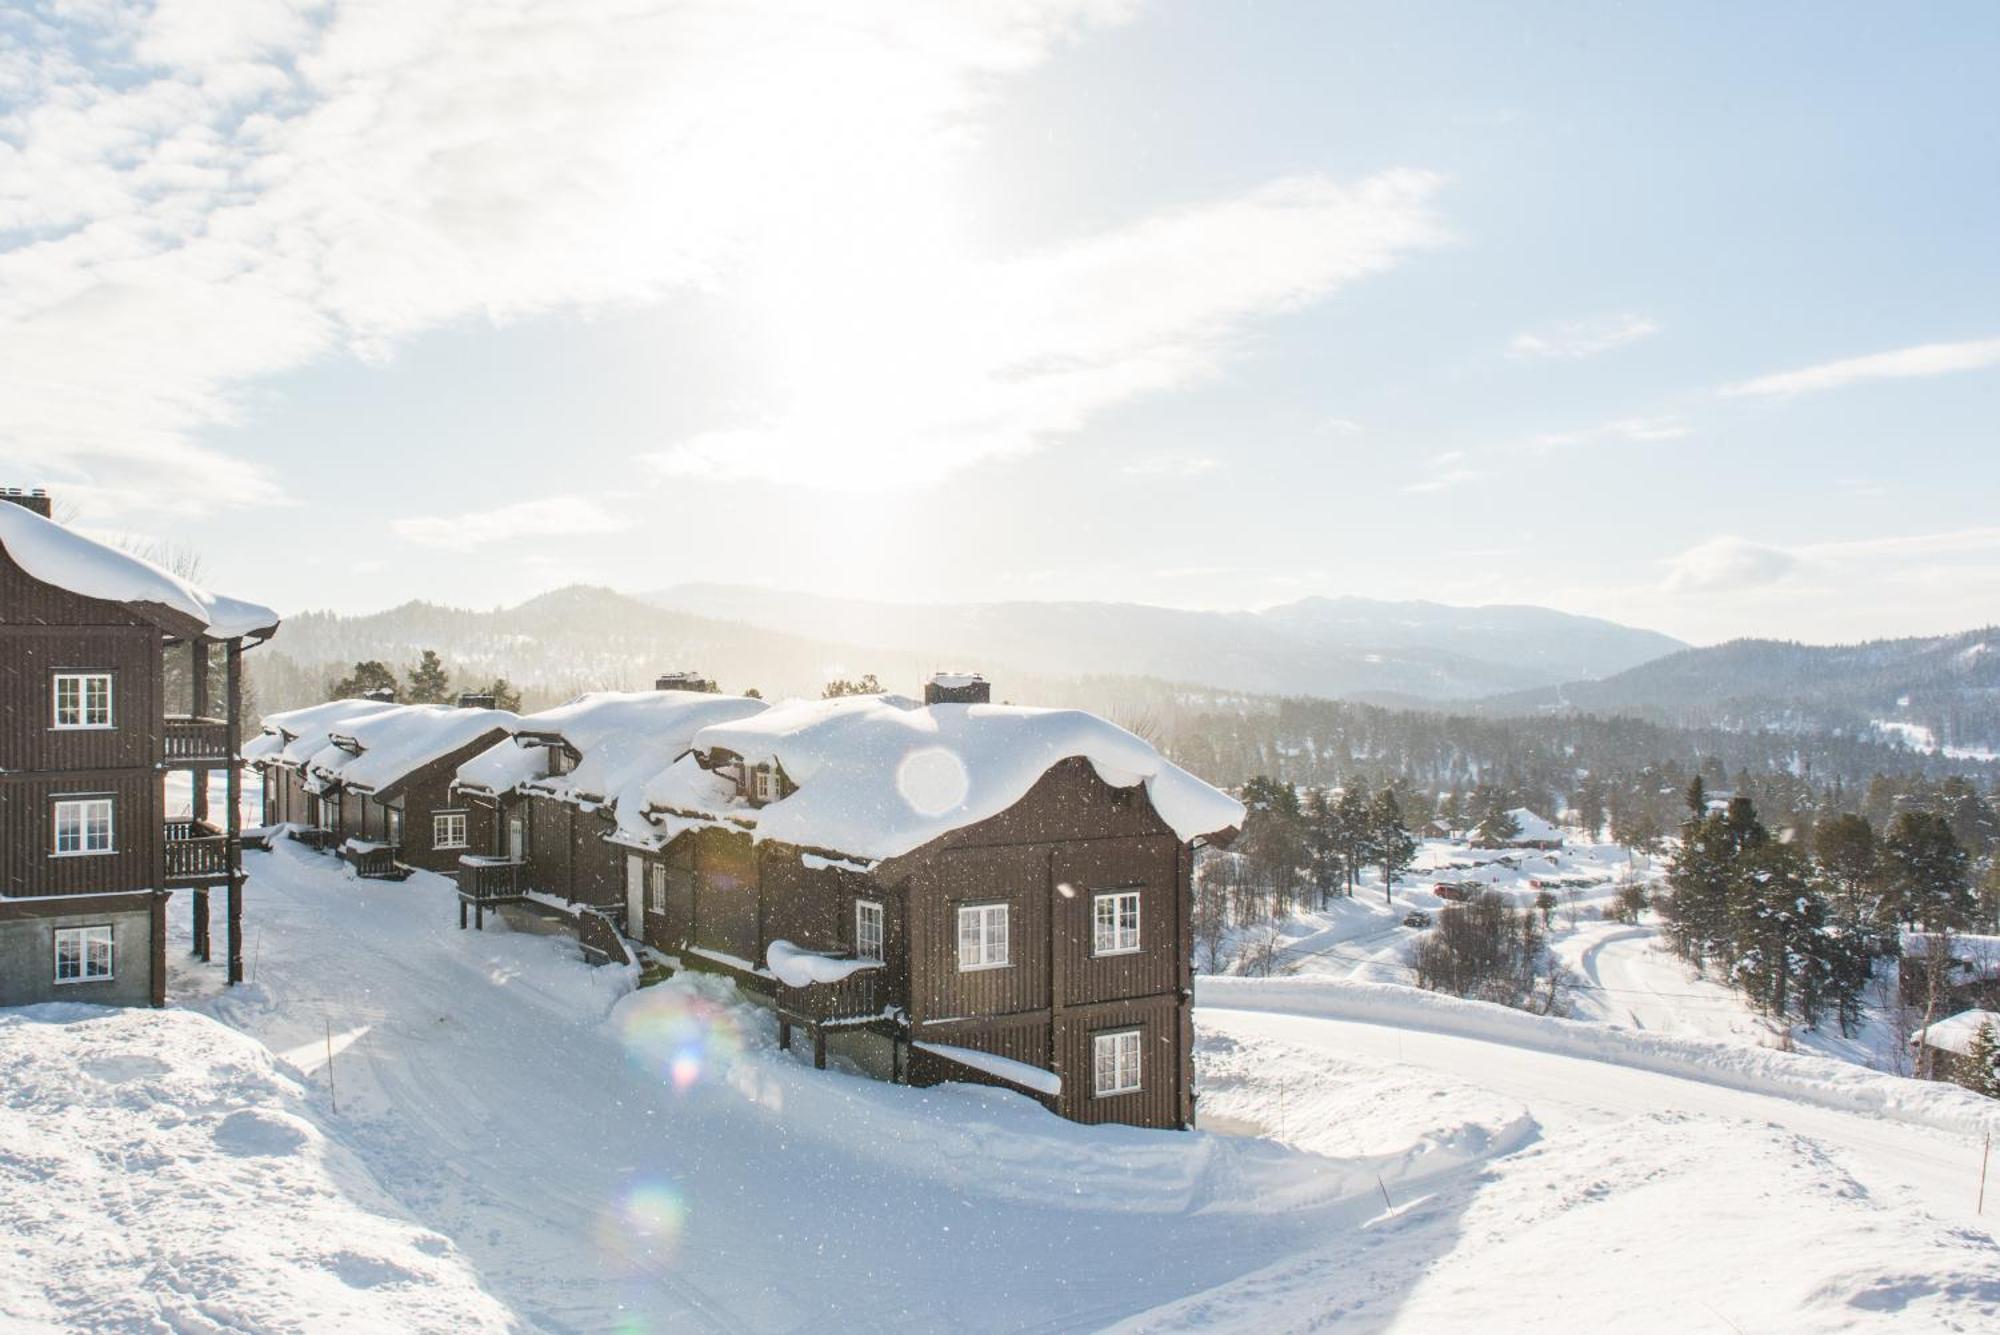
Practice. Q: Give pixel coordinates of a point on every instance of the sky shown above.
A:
(1682, 314)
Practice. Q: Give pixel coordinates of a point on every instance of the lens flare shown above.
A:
(643, 1226)
(933, 781)
(681, 1038)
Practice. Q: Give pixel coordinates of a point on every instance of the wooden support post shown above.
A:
(819, 1048)
(201, 923)
(479, 914)
(784, 1034)
(198, 707)
(461, 913)
(233, 676)
(157, 994)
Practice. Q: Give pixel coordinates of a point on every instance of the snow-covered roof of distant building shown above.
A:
(1533, 828)
(398, 741)
(56, 554)
(879, 775)
(1955, 1033)
(293, 735)
(621, 738)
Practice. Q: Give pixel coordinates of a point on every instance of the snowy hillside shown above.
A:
(520, 1141)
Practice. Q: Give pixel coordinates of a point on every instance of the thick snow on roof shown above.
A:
(55, 554)
(878, 776)
(502, 767)
(400, 740)
(292, 735)
(1534, 829)
(625, 737)
(1955, 1034)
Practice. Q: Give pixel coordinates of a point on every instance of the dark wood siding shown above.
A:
(27, 833)
(31, 656)
(726, 896)
(1163, 1074)
(1145, 865)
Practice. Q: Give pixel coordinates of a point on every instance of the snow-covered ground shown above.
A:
(522, 1142)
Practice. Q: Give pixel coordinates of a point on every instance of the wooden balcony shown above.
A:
(859, 997)
(488, 879)
(373, 861)
(197, 854)
(196, 741)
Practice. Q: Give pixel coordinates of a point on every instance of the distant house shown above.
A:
(89, 742)
(1970, 975)
(940, 889)
(1950, 1043)
(376, 778)
(1532, 831)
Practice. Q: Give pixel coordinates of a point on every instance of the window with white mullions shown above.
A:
(656, 888)
(82, 700)
(982, 937)
(867, 930)
(1114, 922)
(448, 830)
(1115, 1063)
(83, 954)
(83, 826)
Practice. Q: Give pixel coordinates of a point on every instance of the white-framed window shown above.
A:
(867, 930)
(656, 888)
(392, 825)
(982, 937)
(448, 829)
(764, 784)
(1114, 1063)
(83, 700)
(1114, 922)
(83, 826)
(83, 954)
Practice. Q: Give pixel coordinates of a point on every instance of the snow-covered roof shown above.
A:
(1955, 1033)
(293, 735)
(58, 555)
(1533, 829)
(396, 742)
(621, 738)
(879, 775)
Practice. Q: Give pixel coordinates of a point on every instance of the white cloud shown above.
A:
(915, 358)
(553, 516)
(1172, 465)
(222, 192)
(1638, 429)
(1727, 565)
(1576, 339)
(1929, 359)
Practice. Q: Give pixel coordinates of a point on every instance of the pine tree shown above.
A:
(506, 695)
(1394, 848)
(1926, 876)
(1845, 845)
(1697, 797)
(1497, 828)
(429, 683)
(1980, 1070)
(1352, 827)
(840, 686)
(1323, 852)
(367, 679)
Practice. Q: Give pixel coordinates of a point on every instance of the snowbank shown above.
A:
(58, 555)
(879, 775)
(1817, 1080)
(1956, 1033)
(159, 1172)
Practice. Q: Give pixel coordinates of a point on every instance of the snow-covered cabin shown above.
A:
(942, 889)
(1531, 831)
(1951, 1041)
(106, 684)
(376, 777)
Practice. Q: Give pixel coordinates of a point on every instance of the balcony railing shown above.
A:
(190, 739)
(196, 852)
(373, 861)
(861, 995)
(488, 879)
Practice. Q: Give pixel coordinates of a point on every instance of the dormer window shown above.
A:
(765, 783)
(560, 760)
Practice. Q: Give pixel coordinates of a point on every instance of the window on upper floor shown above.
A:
(1114, 921)
(83, 954)
(84, 825)
(448, 830)
(656, 888)
(1114, 1066)
(982, 937)
(82, 700)
(867, 929)
(765, 785)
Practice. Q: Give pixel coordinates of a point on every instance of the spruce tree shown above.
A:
(429, 683)
(1351, 821)
(367, 678)
(1980, 1070)
(1393, 847)
(1926, 876)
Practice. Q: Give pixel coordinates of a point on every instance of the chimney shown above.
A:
(381, 694)
(957, 688)
(684, 681)
(476, 700)
(36, 500)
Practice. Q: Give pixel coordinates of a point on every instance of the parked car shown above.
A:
(1457, 894)
(1417, 918)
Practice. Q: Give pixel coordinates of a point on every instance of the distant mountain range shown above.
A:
(1360, 648)
(1938, 691)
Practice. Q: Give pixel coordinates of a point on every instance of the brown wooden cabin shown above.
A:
(1058, 999)
(89, 740)
(378, 786)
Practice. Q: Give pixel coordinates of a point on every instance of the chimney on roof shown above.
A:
(957, 688)
(381, 694)
(36, 500)
(684, 681)
(476, 700)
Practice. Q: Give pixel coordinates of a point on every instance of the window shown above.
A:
(448, 829)
(83, 954)
(764, 784)
(83, 700)
(83, 826)
(656, 888)
(1114, 1063)
(868, 931)
(392, 825)
(982, 937)
(1114, 923)
(560, 760)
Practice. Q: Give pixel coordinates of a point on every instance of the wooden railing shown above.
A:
(487, 879)
(196, 738)
(372, 861)
(196, 851)
(861, 995)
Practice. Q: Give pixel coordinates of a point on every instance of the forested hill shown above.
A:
(1947, 686)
